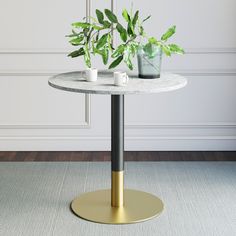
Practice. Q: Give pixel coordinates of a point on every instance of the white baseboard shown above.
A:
(206, 143)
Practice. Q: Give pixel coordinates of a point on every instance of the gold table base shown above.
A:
(96, 206)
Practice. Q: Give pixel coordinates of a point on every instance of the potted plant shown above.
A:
(96, 37)
(149, 54)
(92, 38)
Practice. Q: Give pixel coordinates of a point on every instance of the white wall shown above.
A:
(34, 116)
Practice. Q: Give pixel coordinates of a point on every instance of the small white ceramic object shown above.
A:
(120, 78)
(90, 74)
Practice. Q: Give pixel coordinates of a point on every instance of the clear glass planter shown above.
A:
(149, 66)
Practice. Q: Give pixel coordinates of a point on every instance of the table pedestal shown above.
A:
(117, 206)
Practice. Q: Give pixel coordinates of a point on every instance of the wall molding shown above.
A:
(30, 73)
(137, 126)
(55, 51)
(105, 138)
(199, 72)
(83, 125)
(206, 125)
(221, 50)
(166, 136)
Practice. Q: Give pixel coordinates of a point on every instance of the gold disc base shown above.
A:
(96, 206)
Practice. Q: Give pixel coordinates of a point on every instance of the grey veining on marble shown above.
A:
(74, 82)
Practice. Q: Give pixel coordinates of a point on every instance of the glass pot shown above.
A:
(149, 62)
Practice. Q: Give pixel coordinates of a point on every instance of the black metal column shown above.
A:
(117, 132)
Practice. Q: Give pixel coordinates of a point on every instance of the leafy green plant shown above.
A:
(96, 37)
(127, 50)
(168, 49)
(133, 35)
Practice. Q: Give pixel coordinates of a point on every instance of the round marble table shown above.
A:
(117, 205)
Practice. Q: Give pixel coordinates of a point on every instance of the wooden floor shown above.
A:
(129, 156)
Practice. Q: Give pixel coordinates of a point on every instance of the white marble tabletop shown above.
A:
(73, 81)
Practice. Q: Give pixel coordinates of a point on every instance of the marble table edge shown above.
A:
(76, 90)
(118, 92)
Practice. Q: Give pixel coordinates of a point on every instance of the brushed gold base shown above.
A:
(117, 188)
(96, 206)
